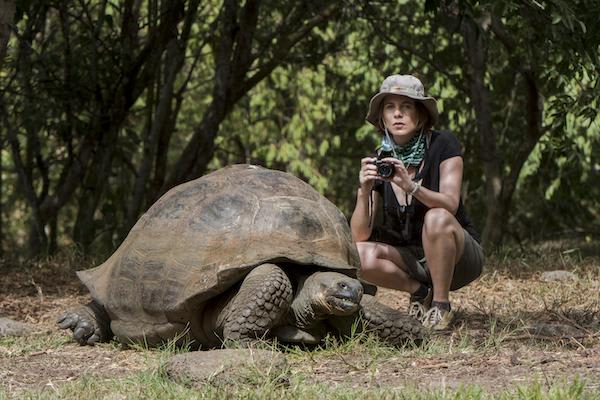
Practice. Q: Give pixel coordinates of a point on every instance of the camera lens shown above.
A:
(385, 169)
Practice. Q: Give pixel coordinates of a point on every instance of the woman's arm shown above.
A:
(359, 222)
(451, 171)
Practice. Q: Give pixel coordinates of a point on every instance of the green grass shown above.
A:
(12, 346)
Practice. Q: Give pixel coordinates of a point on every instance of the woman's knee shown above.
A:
(438, 222)
(369, 257)
(368, 254)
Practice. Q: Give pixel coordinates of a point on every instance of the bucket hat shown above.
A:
(401, 85)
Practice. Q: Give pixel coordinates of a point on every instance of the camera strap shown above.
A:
(389, 144)
(371, 216)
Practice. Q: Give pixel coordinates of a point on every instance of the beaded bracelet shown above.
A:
(415, 188)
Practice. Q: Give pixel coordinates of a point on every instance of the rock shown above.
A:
(228, 367)
(8, 327)
(558, 275)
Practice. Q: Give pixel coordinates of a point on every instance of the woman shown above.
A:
(425, 244)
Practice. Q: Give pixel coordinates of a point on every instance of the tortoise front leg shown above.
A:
(388, 324)
(90, 323)
(261, 303)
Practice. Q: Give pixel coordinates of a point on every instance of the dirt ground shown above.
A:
(511, 329)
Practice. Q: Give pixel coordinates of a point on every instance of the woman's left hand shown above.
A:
(401, 176)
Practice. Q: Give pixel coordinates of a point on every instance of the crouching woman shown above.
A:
(424, 244)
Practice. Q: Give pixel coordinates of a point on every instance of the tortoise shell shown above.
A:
(204, 236)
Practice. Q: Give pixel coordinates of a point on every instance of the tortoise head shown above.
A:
(332, 293)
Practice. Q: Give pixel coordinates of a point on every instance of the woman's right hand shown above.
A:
(368, 173)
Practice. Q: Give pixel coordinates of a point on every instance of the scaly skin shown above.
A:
(260, 304)
(90, 323)
(388, 324)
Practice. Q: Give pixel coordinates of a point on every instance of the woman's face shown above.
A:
(401, 117)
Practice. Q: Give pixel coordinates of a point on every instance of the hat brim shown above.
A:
(375, 105)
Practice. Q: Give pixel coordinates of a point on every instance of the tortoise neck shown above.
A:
(305, 311)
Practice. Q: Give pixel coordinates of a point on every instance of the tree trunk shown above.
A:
(496, 213)
(500, 188)
(37, 242)
(232, 79)
(7, 15)
(162, 117)
(1, 192)
(163, 108)
(93, 187)
(203, 138)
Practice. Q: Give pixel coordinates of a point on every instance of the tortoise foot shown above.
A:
(90, 324)
(390, 325)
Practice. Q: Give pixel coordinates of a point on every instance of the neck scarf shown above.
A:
(411, 153)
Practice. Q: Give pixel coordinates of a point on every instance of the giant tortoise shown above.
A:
(244, 254)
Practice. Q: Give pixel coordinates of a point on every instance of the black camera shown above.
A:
(385, 169)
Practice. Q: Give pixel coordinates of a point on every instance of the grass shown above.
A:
(19, 346)
(361, 355)
(490, 354)
(153, 385)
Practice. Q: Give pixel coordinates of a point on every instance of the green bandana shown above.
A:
(411, 153)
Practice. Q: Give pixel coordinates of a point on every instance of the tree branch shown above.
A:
(410, 50)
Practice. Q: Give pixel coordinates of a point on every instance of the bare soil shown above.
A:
(511, 328)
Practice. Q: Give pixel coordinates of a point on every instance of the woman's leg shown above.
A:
(382, 265)
(443, 244)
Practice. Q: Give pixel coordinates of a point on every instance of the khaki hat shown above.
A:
(401, 85)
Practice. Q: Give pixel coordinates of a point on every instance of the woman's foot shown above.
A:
(439, 317)
(420, 302)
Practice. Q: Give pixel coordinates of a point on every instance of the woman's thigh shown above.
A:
(405, 258)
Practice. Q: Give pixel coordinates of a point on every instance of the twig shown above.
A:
(354, 367)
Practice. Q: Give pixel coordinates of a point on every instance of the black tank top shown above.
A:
(403, 225)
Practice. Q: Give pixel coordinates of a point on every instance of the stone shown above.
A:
(9, 327)
(228, 367)
(558, 275)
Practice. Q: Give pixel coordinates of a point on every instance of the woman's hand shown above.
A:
(368, 173)
(401, 176)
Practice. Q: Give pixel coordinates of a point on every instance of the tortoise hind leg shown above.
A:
(261, 303)
(90, 323)
(388, 324)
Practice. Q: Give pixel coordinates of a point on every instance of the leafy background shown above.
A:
(106, 105)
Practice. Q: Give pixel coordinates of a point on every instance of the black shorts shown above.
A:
(468, 268)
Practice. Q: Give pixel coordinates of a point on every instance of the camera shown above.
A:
(385, 169)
